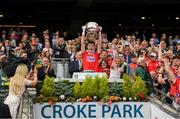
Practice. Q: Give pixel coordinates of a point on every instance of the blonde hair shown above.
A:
(17, 82)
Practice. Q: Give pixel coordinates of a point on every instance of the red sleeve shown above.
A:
(172, 91)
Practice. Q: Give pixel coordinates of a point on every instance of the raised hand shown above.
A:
(100, 29)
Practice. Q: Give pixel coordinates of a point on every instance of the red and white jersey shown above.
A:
(90, 61)
(175, 88)
(153, 65)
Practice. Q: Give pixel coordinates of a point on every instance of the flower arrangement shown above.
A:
(93, 90)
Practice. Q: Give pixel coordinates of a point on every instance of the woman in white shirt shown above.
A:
(17, 87)
(117, 67)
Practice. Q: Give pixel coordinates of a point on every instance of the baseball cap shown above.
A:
(153, 54)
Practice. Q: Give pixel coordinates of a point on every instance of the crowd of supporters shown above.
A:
(155, 59)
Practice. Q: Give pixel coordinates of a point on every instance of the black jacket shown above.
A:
(74, 67)
(4, 111)
(60, 52)
(41, 73)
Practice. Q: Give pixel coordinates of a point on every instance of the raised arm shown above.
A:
(32, 75)
(83, 47)
(99, 41)
(167, 69)
(160, 52)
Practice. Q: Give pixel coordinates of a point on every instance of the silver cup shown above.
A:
(92, 30)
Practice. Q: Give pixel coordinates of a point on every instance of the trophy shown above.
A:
(91, 31)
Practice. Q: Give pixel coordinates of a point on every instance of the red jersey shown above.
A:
(107, 70)
(90, 61)
(175, 88)
(111, 53)
(153, 65)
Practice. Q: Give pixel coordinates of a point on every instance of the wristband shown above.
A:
(83, 33)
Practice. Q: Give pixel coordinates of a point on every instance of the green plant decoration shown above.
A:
(127, 86)
(115, 89)
(86, 91)
(63, 87)
(103, 89)
(48, 87)
(139, 89)
(94, 86)
(77, 90)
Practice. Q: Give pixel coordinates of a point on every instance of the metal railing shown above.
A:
(25, 110)
(164, 105)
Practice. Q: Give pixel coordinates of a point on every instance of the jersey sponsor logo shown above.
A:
(90, 59)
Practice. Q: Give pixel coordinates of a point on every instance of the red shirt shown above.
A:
(107, 70)
(153, 65)
(90, 61)
(175, 88)
(111, 53)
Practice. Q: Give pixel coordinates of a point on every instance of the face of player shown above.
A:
(91, 47)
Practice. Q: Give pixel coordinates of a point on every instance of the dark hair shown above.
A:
(104, 51)
(102, 62)
(133, 56)
(91, 42)
(175, 57)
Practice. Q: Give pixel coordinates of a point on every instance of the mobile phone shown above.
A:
(32, 67)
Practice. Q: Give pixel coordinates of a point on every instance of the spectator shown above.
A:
(14, 39)
(1, 48)
(7, 48)
(153, 64)
(39, 45)
(117, 67)
(72, 51)
(177, 50)
(142, 70)
(76, 64)
(144, 44)
(48, 48)
(31, 53)
(152, 47)
(45, 53)
(59, 49)
(133, 65)
(104, 45)
(104, 67)
(111, 50)
(46, 69)
(25, 42)
(104, 56)
(78, 43)
(156, 40)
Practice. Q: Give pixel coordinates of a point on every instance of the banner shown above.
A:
(93, 110)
